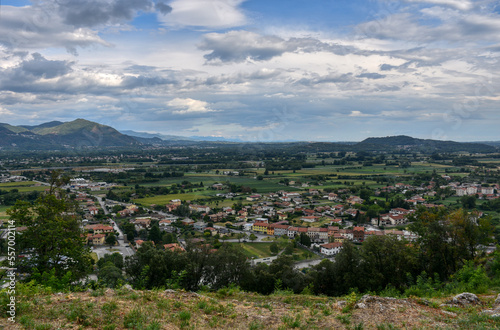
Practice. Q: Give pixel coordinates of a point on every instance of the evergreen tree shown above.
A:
(53, 233)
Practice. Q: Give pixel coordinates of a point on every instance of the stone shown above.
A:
(341, 303)
(128, 287)
(361, 305)
(497, 301)
(464, 299)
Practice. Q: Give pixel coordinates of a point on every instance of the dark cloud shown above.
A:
(373, 75)
(93, 13)
(26, 75)
(240, 46)
(331, 78)
(40, 67)
(163, 8)
(130, 82)
(388, 67)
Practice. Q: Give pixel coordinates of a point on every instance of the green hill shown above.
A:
(415, 144)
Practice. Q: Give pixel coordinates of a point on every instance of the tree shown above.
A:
(252, 237)
(155, 234)
(110, 275)
(115, 258)
(304, 239)
(468, 202)
(53, 233)
(111, 239)
(274, 248)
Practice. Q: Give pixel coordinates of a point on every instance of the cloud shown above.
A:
(330, 78)
(357, 113)
(91, 13)
(213, 14)
(373, 75)
(30, 71)
(188, 106)
(240, 46)
(5, 112)
(434, 25)
(163, 8)
(36, 27)
(40, 67)
(457, 4)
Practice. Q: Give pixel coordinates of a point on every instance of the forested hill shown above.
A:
(81, 133)
(410, 143)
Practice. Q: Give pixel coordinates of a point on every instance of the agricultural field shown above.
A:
(262, 250)
(3, 212)
(25, 186)
(255, 250)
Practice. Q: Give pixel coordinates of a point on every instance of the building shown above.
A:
(330, 249)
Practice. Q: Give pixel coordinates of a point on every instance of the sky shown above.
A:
(256, 70)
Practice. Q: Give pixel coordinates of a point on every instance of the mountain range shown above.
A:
(81, 133)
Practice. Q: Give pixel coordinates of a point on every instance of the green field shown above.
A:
(3, 212)
(255, 250)
(165, 199)
(25, 186)
(17, 184)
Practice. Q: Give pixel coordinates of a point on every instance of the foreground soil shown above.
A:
(231, 309)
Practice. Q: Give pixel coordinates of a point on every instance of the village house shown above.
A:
(144, 222)
(96, 239)
(100, 229)
(260, 226)
(310, 219)
(292, 232)
(199, 208)
(330, 249)
(281, 230)
(200, 225)
(358, 234)
(174, 247)
(187, 222)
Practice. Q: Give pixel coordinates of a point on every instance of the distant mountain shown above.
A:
(44, 125)
(490, 143)
(155, 135)
(57, 135)
(81, 133)
(415, 144)
(14, 129)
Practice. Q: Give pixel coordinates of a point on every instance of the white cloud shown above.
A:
(212, 14)
(33, 27)
(5, 112)
(187, 106)
(357, 113)
(457, 4)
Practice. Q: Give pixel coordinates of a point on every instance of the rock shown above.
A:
(169, 291)
(128, 287)
(341, 303)
(464, 299)
(497, 301)
(367, 298)
(361, 305)
(449, 313)
(492, 312)
(109, 292)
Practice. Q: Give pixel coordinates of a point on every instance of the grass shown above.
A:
(17, 184)
(156, 309)
(3, 212)
(255, 250)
